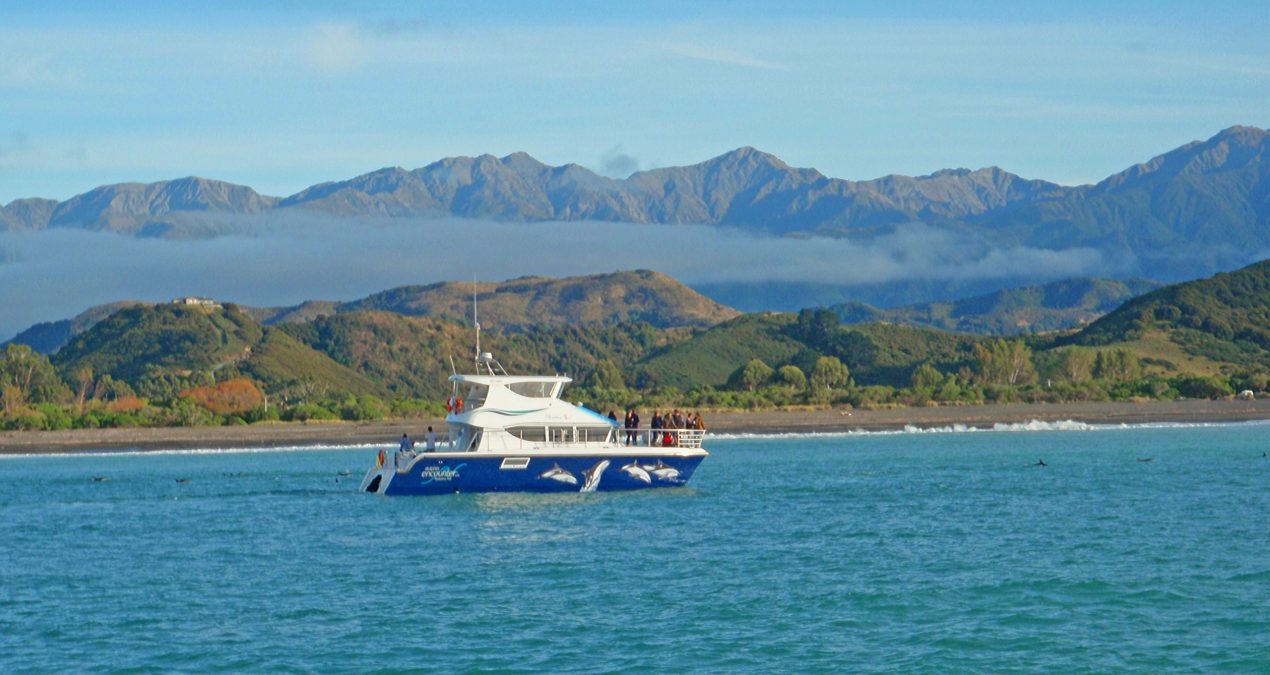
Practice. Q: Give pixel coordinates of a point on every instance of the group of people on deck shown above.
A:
(407, 447)
(658, 434)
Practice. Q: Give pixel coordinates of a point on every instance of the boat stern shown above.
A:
(378, 476)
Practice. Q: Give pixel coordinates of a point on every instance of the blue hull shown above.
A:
(474, 472)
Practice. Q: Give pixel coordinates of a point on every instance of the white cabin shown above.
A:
(497, 413)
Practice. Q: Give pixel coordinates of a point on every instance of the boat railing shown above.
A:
(501, 439)
(662, 438)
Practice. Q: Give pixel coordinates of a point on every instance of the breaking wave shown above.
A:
(1029, 426)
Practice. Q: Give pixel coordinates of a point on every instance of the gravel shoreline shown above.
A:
(759, 422)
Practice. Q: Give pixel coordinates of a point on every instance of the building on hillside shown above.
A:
(196, 301)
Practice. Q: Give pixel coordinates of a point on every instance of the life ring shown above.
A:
(449, 404)
(379, 462)
(458, 404)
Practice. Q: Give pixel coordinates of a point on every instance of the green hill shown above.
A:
(1221, 322)
(1031, 309)
(875, 353)
(157, 348)
(305, 311)
(280, 359)
(712, 355)
(887, 354)
(171, 337)
(411, 355)
(49, 337)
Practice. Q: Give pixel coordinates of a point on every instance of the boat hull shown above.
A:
(448, 473)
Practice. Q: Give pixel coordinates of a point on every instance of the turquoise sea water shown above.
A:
(914, 552)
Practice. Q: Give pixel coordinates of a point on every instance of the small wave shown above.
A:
(1029, 426)
(1037, 425)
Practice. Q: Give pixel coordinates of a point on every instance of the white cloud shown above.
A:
(289, 257)
(336, 48)
(715, 54)
(35, 71)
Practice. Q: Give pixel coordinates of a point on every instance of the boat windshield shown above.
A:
(532, 389)
(476, 396)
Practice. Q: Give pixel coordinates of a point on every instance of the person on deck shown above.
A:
(430, 441)
(632, 426)
(404, 452)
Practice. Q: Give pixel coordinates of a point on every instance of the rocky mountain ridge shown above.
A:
(1200, 208)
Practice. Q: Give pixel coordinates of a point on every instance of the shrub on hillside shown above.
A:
(231, 397)
(126, 404)
(1202, 387)
(362, 409)
(305, 412)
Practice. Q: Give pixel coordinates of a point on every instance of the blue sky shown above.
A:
(302, 92)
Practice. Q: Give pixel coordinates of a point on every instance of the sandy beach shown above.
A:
(761, 422)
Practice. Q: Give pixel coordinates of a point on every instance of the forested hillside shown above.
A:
(1221, 323)
(598, 300)
(203, 364)
(1060, 305)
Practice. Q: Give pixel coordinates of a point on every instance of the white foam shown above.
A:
(1038, 425)
(1034, 426)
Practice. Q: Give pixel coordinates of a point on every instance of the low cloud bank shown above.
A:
(282, 260)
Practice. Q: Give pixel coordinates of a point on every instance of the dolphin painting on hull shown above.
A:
(634, 470)
(591, 478)
(663, 471)
(557, 474)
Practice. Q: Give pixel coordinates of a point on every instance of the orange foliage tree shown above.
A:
(126, 404)
(230, 397)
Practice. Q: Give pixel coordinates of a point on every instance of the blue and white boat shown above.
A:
(515, 434)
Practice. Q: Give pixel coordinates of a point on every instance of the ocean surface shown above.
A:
(934, 552)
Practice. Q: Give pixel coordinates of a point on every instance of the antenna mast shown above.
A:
(478, 325)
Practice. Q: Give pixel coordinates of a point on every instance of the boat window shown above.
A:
(595, 434)
(476, 396)
(562, 434)
(530, 434)
(532, 389)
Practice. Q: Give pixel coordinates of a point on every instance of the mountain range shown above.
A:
(1200, 208)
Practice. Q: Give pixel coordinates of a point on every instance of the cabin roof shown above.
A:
(508, 379)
